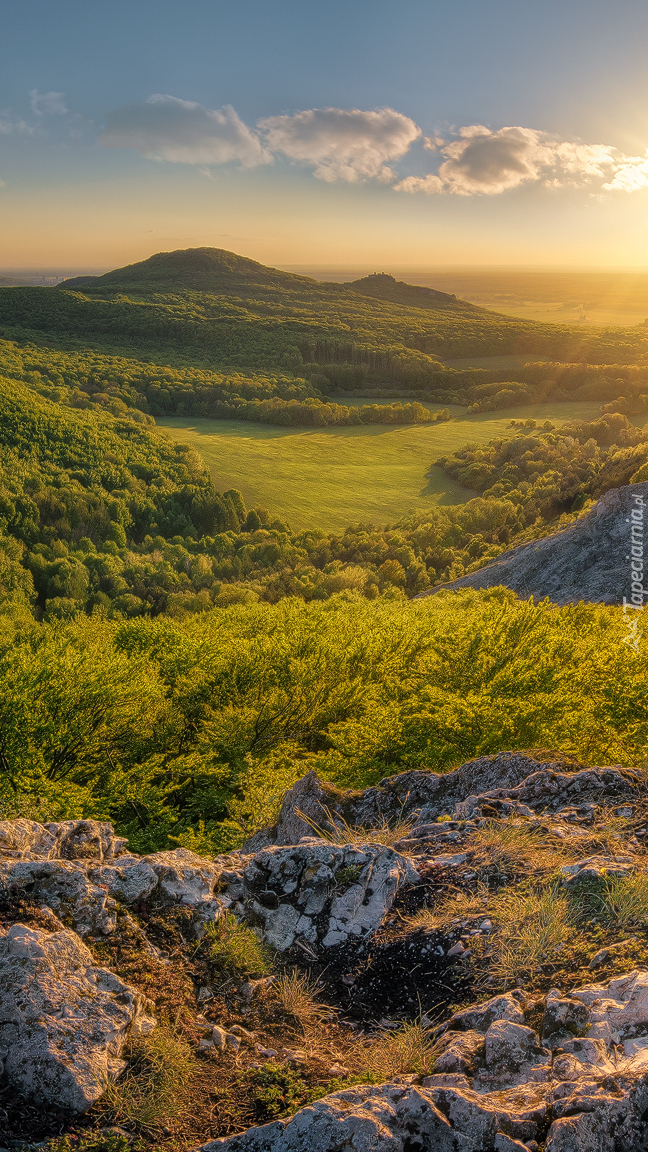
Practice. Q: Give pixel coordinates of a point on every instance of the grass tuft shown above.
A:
(441, 917)
(153, 1093)
(625, 900)
(505, 847)
(341, 832)
(296, 994)
(533, 928)
(409, 1049)
(233, 947)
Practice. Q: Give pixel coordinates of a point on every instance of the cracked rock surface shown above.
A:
(63, 1021)
(497, 1085)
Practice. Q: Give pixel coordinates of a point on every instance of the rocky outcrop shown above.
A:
(503, 1078)
(497, 1086)
(586, 561)
(509, 779)
(81, 871)
(63, 1021)
(318, 893)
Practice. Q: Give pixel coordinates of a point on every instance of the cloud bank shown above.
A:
(343, 144)
(489, 163)
(165, 128)
(353, 145)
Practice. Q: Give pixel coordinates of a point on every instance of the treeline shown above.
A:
(545, 471)
(134, 389)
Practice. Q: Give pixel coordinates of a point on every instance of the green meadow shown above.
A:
(332, 477)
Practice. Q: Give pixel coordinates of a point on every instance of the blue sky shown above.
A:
(456, 132)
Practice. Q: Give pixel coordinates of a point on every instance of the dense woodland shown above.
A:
(173, 660)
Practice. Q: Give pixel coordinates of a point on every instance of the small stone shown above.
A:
(456, 950)
(219, 1037)
(339, 1071)
(237, 1030)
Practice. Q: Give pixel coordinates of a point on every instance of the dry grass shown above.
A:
(441, 917)
(153, 1093)
(534, 927)
(410, 1049)
(341, 832)
(296, 994)
(608, 835)
(504, 847)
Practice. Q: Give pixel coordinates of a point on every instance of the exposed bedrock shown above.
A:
(579, 1086)
(586, 561)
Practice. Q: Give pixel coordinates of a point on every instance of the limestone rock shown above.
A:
(371, 1118)
(585, 561)
(479, 1017)
(184, 877)
(69, 840)
(596, 867)
(564, 1017)
(414, 794)
(64, 887)
(318, 892)
(63, 1021)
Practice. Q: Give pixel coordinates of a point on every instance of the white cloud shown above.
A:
(428, 184)
(165, 128)
(492, 162)
(631, 175)
(481, 161)
(343, 144)
(47, 103)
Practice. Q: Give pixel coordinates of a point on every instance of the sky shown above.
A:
(359, 132)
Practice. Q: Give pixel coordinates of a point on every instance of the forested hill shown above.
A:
(215, 309)
(193, 269)
(385, 287)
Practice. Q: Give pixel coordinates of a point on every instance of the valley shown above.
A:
(334, 477)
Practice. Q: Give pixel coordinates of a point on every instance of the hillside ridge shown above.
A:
(219, 270)
(588, 560)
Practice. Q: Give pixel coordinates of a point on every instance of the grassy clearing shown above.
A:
(332, 477)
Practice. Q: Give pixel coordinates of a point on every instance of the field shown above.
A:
(333, 477)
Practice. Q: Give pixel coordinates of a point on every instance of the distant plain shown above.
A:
(595, 296)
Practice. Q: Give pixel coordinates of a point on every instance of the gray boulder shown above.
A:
(317, 892)
(63, 1021)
